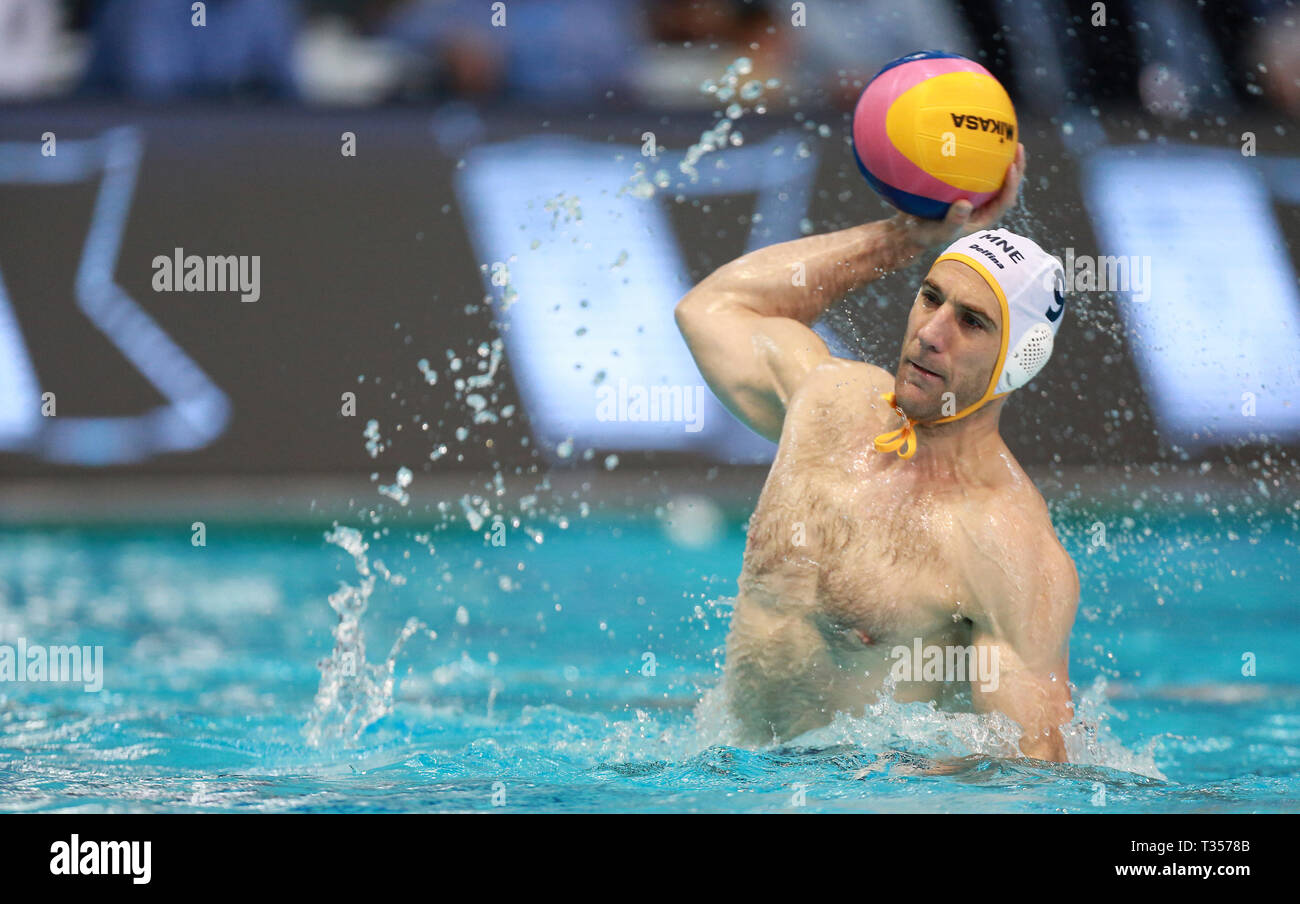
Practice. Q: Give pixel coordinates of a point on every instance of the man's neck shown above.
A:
(965, 452)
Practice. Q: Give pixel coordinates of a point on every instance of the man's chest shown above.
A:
(870, 555)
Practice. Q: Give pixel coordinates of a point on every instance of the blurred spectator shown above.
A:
(1273, 51)
(696, 40)
(845, 42)
(28, 29)
(150, 49)
(548, 51)
(1202, 58)
(1172, 57)
(1180, 68)
(1175, 58)
(37, 57)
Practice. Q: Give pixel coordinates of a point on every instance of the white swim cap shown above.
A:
(1030, 287)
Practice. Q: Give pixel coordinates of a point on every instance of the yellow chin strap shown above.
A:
(904, 439)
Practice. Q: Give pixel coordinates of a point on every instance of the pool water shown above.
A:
(577, 674)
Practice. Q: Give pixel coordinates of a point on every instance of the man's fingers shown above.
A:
(992, 211)
(1011, 183)
(959, 212)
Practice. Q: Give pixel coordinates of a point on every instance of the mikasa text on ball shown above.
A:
(932, 128)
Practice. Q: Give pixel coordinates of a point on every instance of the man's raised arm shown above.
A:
(747, 323)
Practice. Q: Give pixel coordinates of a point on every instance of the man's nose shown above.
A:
(934, 332)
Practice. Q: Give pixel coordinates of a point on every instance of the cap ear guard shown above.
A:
(1029, 284)
(1027, 358)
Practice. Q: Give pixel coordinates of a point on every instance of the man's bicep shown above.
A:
(752, 363)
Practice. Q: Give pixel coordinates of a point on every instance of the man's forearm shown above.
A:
(802, 278)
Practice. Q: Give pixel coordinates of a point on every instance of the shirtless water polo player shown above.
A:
(894, 515)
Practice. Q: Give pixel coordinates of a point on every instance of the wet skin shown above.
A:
(852, 552)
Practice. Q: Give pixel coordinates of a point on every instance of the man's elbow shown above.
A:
(683, 313)
(696, 315)
(708, 299)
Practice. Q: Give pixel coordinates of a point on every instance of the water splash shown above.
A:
(374, 442)
(499, 276)
(722, 135)
(485, 379)
(568, 206)
(430, 376)
(887, 727)
(353, 693)
(397, 490)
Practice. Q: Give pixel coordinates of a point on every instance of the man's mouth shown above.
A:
(923, 371)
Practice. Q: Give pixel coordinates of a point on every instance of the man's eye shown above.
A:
(973, 322)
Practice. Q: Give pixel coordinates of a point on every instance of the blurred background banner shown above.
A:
(234, 234)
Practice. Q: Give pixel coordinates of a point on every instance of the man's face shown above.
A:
(954, 330)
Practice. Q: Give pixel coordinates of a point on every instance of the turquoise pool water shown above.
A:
(528, 685)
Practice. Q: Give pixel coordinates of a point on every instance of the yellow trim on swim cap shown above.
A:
(1006, 332)
(904, 439)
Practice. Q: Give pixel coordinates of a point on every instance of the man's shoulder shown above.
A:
(1018, 513)
(1037, 518)
(839, 401)
(840, 380)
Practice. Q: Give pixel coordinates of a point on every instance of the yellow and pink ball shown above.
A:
(932, 128)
